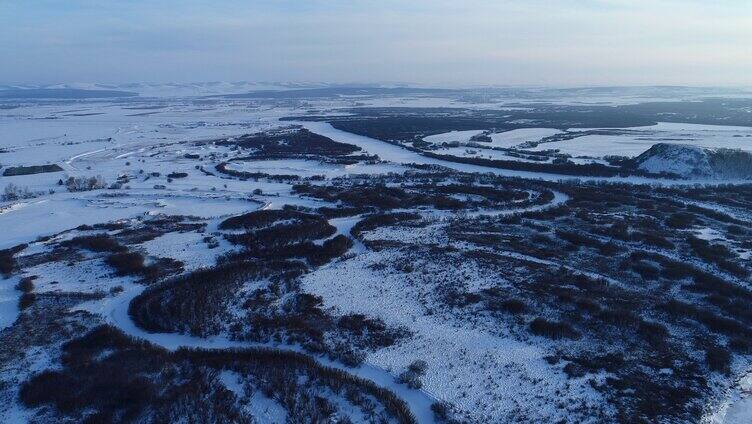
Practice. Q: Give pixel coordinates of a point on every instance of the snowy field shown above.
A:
(172, 155)
(711, 136)
(636, 142)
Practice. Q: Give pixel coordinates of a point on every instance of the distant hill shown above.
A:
(696, 162)
(330, 92)
(62, 93)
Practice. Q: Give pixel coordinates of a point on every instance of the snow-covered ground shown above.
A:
(514, 138)
(459, 136)
(507, 375)
(308, 168)
(632, 144)
(142, 141)
(393, 153)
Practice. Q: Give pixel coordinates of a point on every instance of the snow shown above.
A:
(309, 168)
(88, 276)
(459, 136)
(115, 311)
(397, 154)
(68, 210)
(480, 152)
(98, 138)
(737, 407)
(692, 161)
(682, 160)
(708, 234)
(513, 138)
(264, 409)
(8, 301)
(512, 374)
(188, 248)
(267, 410)
(633, 144)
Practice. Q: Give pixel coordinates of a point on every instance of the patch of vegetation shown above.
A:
(552, 329)
(95, 243)
(7, 260)
(30, 170)
(109, 377)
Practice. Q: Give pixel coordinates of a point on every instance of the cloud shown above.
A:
(565, 42)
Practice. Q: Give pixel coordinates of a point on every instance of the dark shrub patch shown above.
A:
(26, 300)
(440, 410)
(653, 333)
(574, 370)
(7, 261)
(129, 263)
(292, 142)
(263, 218)
(553, 329)
(381, 220)
(512, 306)
(579, 239)
(331, 249)
(680, 220)
(95, 243)
(29, 170)
(193, 302)
(718, 359)
(717, 254)
(26, 284)
(110, 377)
(646, 270)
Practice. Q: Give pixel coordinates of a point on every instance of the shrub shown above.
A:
(331, 249)
(127, 263)
(653, 333)
(579, 239)
(26, 300)
(680, 220)
(107, 376)
(74, 184)
(264, 218)
(574, 370)
(646, 270)
(29, 170)
(7, 260)
(410, 379)
(26, 284)
(440, 410)
(740, 345)
(553, 329)
(736, 230)
(418, 366)
(372, 222)
(512, 306)
(13, 192)
(718, 359)
(95, 243)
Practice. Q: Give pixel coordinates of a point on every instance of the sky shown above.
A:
(427, 42)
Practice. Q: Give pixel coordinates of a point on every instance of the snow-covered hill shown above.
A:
(696, 162)
(172, 89)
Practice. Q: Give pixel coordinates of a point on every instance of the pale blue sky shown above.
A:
(460, 42)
